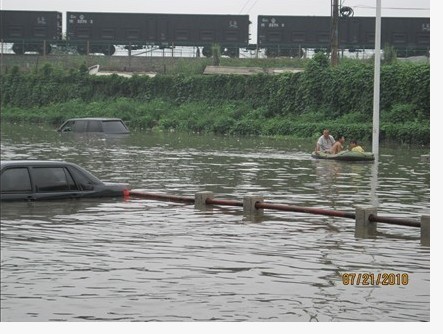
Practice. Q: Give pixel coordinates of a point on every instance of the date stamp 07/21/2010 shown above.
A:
(383, 279)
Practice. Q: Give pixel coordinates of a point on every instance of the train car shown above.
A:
(408, 35)
(101, 32)
(290, 35)
(30, 30)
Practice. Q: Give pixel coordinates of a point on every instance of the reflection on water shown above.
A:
(374, 183)
(140, 260)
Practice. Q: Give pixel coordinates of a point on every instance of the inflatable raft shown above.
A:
(345, 155)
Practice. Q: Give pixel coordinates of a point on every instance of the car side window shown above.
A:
(95, 126)
(68, 126)
(15, 180)
(79, 126)
(71, 182)
(114, 127)
(83, 182)
(48, 179)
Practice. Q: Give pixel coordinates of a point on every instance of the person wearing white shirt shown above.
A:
(325, 142)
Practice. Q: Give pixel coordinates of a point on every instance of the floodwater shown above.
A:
(145, 260)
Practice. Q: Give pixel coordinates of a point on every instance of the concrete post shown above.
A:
(425, 230)
(200, 199)
(249, 205)
(363, 227)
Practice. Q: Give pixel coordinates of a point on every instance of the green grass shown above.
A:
(227, 118)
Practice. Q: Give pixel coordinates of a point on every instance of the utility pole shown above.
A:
(376, 101)
(334, 33)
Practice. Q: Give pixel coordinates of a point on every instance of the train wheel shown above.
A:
(296, 53)
(231, 52)
(271, 52)
(18, 49)
(82, 50)
(108, 50)
(43, 51)
(207, 51)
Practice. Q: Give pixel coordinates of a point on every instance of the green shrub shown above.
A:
(300, 104)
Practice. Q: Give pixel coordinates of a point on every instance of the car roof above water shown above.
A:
(46, 163)
(106, 125)
(39, 163)
(5, 163)
(94, 119)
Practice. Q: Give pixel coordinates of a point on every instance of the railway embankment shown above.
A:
(164, 65)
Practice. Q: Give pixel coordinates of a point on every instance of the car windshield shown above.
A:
(114, 126)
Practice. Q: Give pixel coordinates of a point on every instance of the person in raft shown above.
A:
(338, 145)
(325, 142)
(354, 147)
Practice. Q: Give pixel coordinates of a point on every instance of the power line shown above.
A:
(245, 4)
(252, 5)
(396, 8)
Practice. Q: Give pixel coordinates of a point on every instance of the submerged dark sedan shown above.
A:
(43, 180)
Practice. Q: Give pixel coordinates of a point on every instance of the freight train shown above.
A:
(89, 32)
(289, 35)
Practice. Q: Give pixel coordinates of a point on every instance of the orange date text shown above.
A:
(375, 279)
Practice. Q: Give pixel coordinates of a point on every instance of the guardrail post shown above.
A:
(249, 208)
(200, 199)
(364, 228)
(425, 226)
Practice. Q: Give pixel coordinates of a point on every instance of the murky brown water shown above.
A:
(142, 260)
